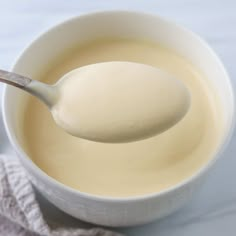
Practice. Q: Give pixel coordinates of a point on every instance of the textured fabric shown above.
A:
(19, 210)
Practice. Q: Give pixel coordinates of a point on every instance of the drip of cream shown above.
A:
(119, 101)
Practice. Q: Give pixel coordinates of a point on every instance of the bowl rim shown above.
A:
(26, 161)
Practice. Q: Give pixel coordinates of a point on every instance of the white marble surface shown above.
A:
(213, 211)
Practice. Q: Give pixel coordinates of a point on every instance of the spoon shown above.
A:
(110, 101)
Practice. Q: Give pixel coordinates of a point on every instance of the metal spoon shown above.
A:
(110, 102)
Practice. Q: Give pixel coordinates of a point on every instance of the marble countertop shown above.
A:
(213, 210)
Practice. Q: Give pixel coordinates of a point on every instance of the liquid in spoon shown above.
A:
(119, 102)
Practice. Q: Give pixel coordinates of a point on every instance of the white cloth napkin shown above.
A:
(20, 213)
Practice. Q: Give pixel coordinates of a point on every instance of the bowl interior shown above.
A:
(130, 25)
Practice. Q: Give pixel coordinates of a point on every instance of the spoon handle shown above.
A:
(14, 79)
(46, 93)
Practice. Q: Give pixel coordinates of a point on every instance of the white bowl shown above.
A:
(104, 210)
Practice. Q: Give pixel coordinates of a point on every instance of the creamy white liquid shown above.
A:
(127, 169)
(119, 101)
